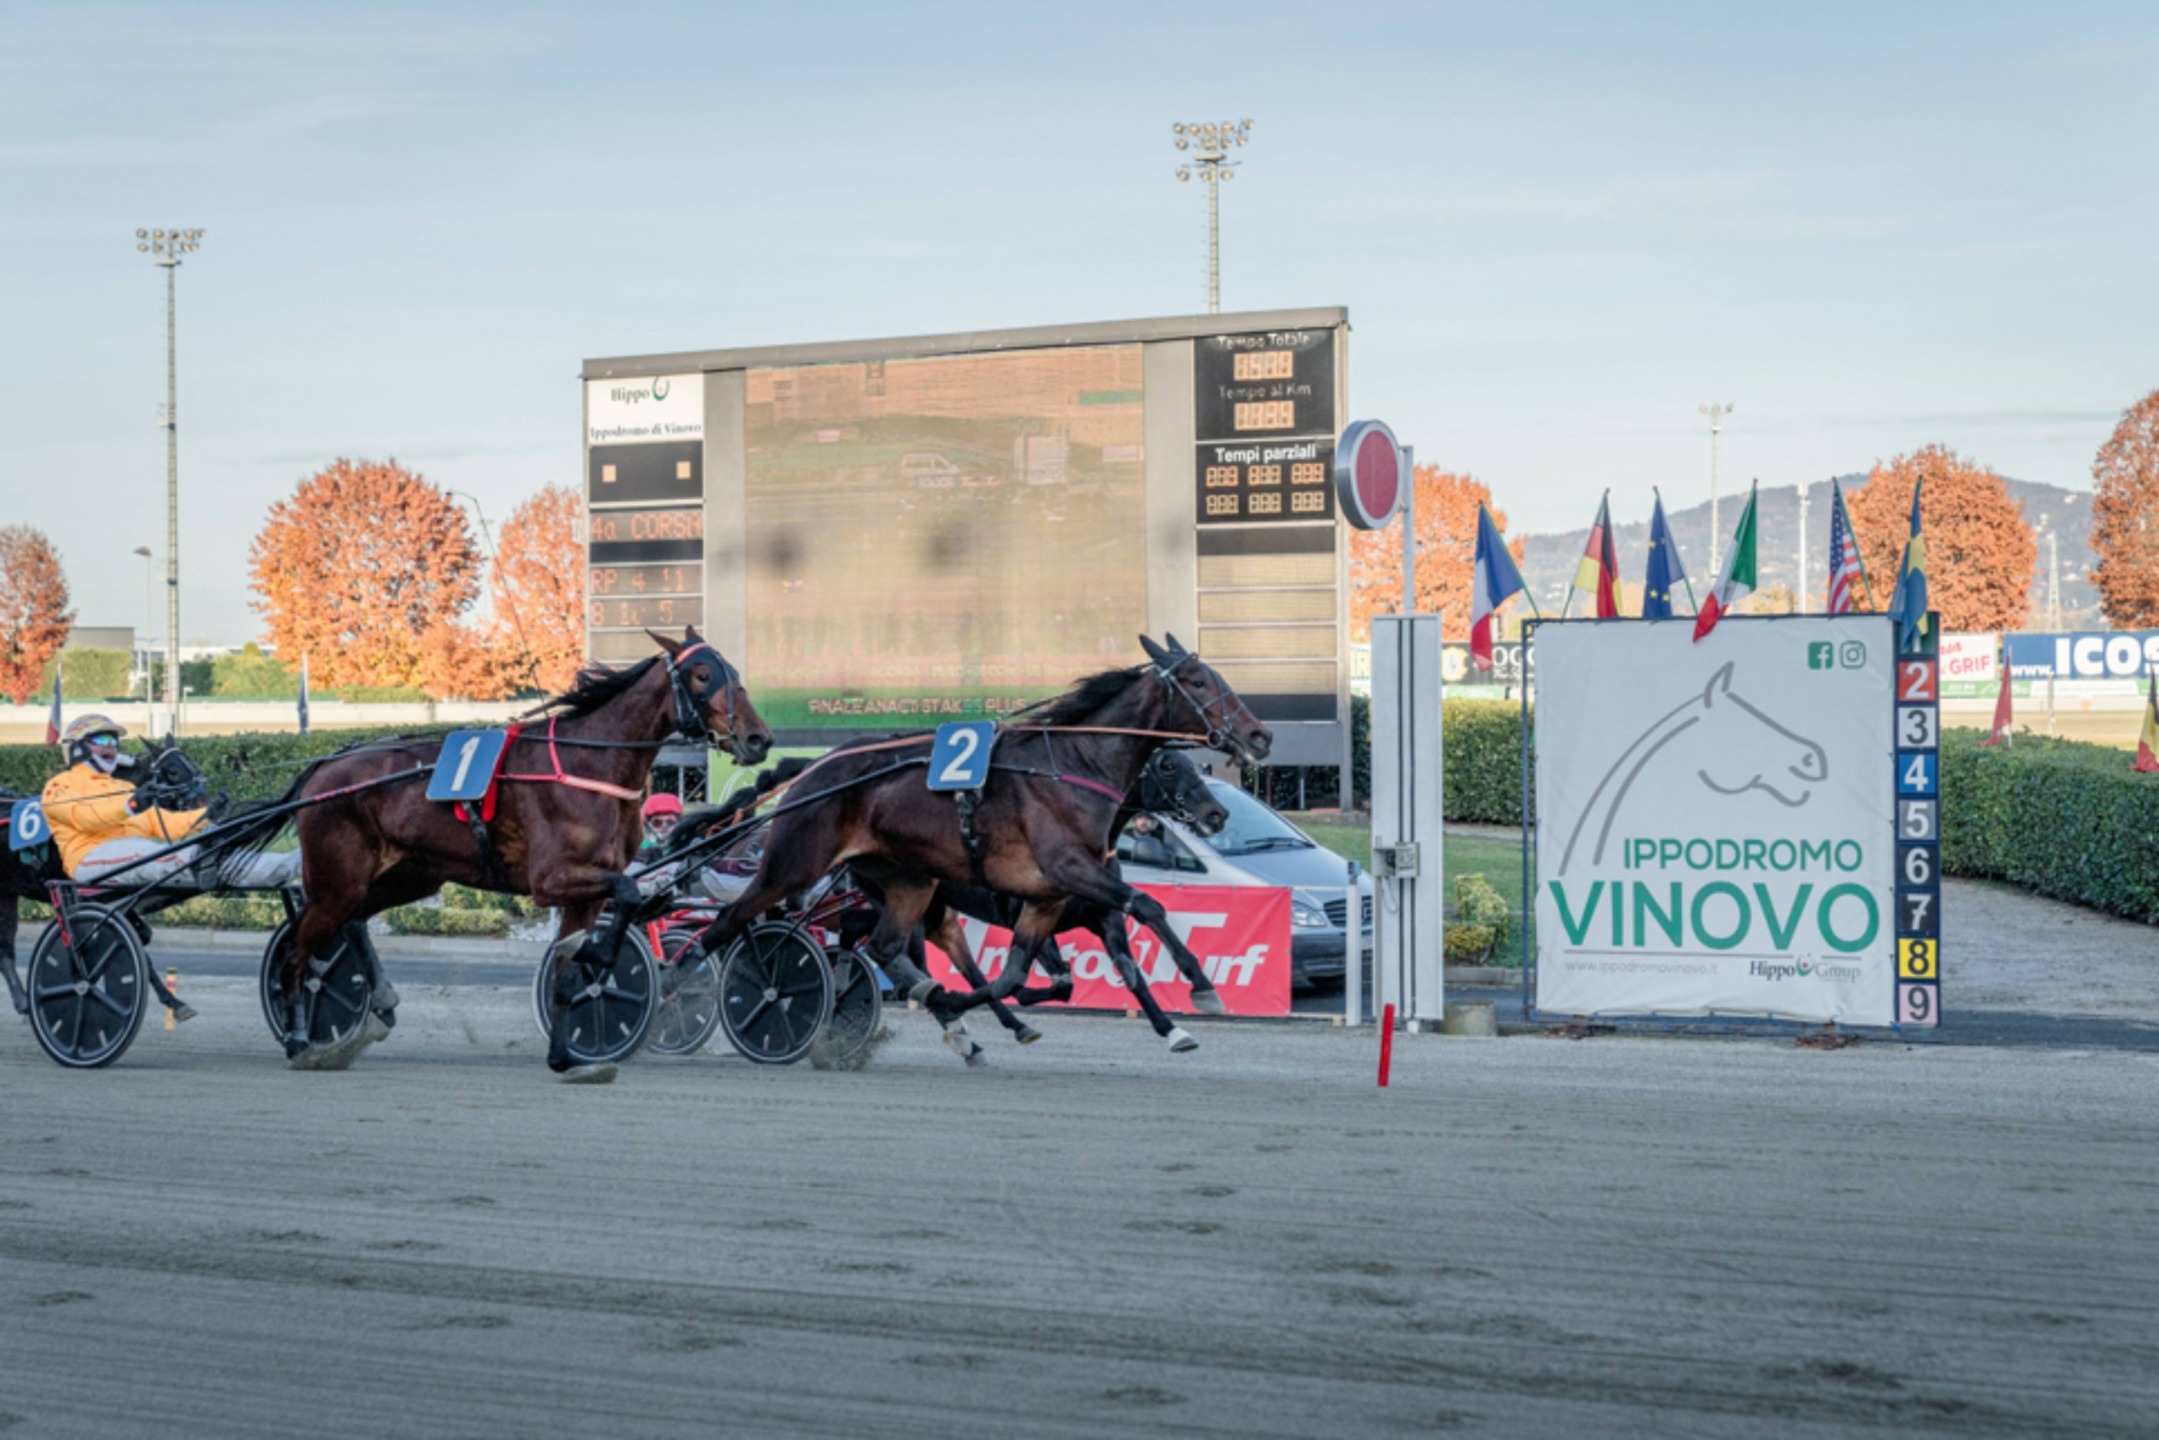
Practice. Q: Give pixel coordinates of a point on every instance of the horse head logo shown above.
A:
(1732, 747)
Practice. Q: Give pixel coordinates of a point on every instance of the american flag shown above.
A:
(1846, 575)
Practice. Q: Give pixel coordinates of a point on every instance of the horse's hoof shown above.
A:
(567, 946)
(1179, 1042)
(375, 1029)
(1209, 1002)
(182, 1012)
(336, 1056)
(385, 995)
(590, 1074)
(964, 1046)
(1027, 1034)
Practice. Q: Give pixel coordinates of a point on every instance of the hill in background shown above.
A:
(1549, 560)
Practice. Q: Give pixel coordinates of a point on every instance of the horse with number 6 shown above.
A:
(559, 823)
(1039, 832)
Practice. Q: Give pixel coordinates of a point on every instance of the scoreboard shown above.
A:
(892, 533)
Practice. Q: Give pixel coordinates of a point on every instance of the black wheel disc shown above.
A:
(338, 994)
(611, 1010)
(89, 988)
(775, 993)
(689, 994)
(858, 1006)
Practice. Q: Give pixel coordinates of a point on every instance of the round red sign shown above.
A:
(1368, 478)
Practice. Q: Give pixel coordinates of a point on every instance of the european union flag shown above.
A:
(1908, 604)
(1665, 571)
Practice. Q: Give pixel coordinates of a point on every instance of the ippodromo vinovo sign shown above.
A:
(1744, 826)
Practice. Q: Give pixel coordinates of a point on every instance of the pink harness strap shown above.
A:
(560, 777)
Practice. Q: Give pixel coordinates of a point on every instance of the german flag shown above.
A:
(1599, 571)
(2148, 743)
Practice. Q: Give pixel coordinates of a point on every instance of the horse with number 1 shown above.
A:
(546, 811)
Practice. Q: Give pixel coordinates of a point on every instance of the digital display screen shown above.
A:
(645, 580)
(1266, 480)
(646, 534)
(1279, 383)
(669, 472)
(659, 611)
(938, 538)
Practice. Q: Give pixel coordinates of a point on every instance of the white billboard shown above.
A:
(1716, 821)
(646, 409)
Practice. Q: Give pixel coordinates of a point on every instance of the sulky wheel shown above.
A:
(340, 991)
(775, 993)
(89, 987)
(689, 994)
(613, 1004)
(858, 1005)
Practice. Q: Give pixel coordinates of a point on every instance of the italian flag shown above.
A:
(1737, 581)
(2148, 742)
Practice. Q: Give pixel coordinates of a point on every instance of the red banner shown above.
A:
(1239, 932)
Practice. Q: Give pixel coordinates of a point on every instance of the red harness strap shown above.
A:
(559, 777)
(494, 781)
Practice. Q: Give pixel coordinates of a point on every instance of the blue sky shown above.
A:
(1558, 229)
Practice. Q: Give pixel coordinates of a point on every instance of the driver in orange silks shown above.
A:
(101, 824)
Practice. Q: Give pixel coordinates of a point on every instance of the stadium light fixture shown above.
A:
(165, 247)
(1210, 143)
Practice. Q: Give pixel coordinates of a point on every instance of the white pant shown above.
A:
(239, 871)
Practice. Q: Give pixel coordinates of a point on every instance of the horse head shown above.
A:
(1200, 695)
(1172, 785)
(711, 702)
(1761, 755)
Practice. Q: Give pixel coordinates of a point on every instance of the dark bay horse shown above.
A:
(1039, 834)
(1170, 785)
(562, 822)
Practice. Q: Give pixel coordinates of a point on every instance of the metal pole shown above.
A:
(1799, 606)
(1214, 239)
(172, 502)
(1716, 414)
(1213, 140)
(1409, 530)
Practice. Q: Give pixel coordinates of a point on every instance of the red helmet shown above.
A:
(662, 804)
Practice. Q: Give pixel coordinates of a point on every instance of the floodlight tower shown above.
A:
(1716, 414)
(1212, 140)
(165, 247)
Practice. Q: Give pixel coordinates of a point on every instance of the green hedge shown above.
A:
(91, 675)
(1483, 764)
(2063, 817)
(248, 767)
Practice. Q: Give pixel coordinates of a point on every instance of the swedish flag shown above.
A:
(1908, 605)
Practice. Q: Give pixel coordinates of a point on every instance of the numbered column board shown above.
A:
(645, 512)
(1749, 825)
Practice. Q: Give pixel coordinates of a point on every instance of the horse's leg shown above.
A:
(566, 962)
(9, 919)
(340, 878)
(796, 858)
(1117, 944)
(943, 925)
(898, 927)
(1150, 913)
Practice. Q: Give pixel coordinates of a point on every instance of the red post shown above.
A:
(1386, 1043)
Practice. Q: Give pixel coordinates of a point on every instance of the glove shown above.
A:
(217, 806)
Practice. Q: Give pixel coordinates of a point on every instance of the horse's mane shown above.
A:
(594, 686)
(705, 819)
(1086, 697)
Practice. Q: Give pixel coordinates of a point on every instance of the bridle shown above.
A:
(1218, 732)
(689, 715)
(1169, 787)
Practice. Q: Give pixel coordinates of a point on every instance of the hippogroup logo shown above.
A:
(662, 407)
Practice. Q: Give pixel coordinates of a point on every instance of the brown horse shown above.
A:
(561, 820)
(1040, 832)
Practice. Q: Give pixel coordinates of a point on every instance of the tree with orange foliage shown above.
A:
(2125, 518)
(458, 662)
(357, 568)
(1980, 550)
(539, 590)
(34, 614)
(1446, 552)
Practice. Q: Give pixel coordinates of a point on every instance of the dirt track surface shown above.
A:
(1520, 1237)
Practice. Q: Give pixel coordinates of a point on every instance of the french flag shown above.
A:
(1495, 579)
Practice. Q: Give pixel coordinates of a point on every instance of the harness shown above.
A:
(689, 719)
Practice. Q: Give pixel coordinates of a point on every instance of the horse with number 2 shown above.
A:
(1027, 813)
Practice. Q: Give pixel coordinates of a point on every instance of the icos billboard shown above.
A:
(1744, 826)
